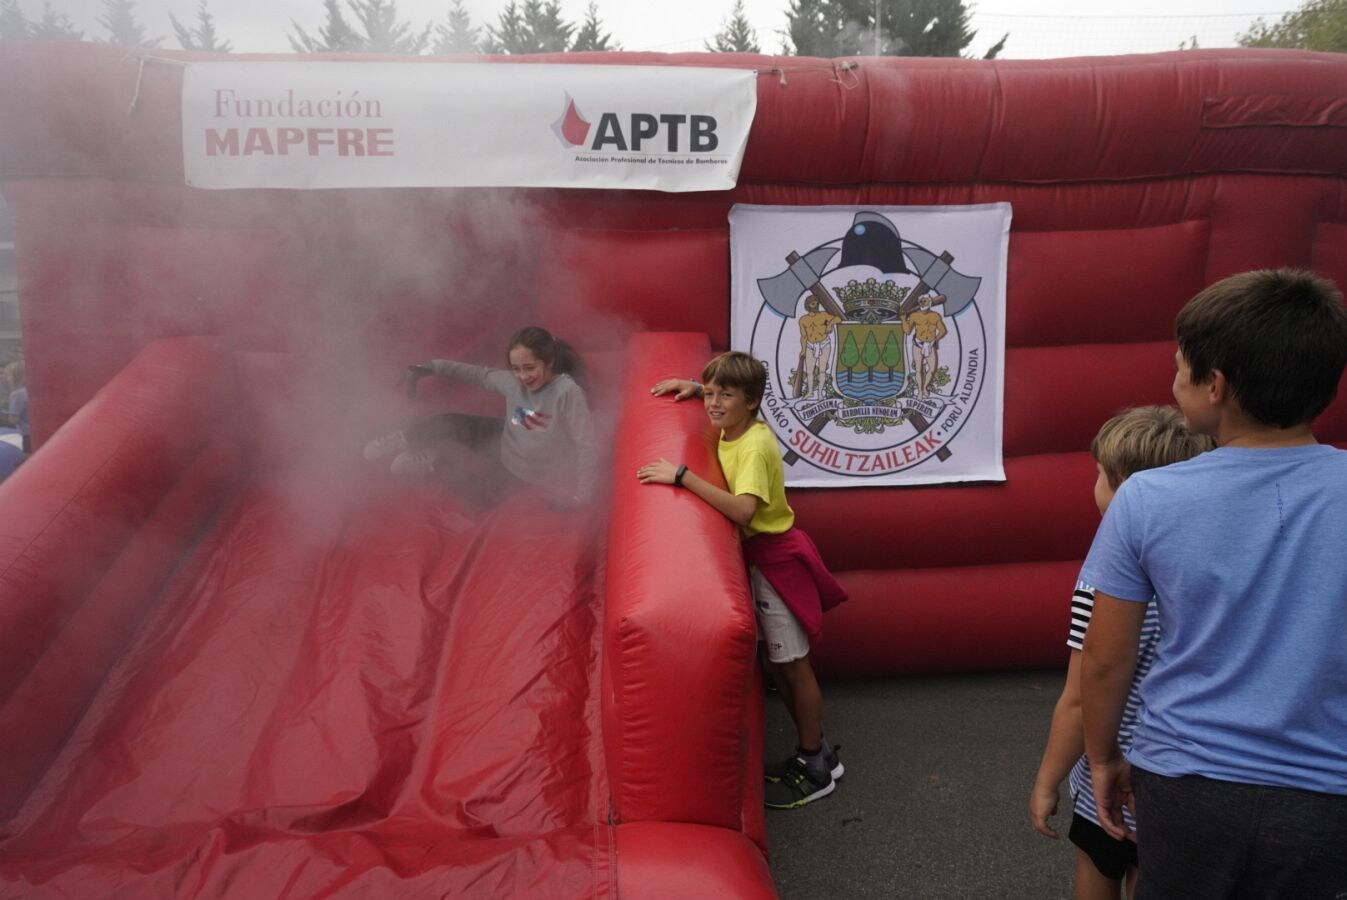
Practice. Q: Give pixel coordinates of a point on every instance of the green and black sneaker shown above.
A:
(776, 771)
(797, 786)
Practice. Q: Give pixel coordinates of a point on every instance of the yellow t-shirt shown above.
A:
(752, 465)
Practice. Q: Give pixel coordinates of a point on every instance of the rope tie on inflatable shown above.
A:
(143, 58)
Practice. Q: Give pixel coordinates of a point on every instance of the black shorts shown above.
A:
(1206, 838)
(1110, 856)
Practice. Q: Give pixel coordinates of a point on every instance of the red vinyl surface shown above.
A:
(405, 701)
(234, 663)
(318, 680)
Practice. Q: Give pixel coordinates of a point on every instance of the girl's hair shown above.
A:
(558, 354)
(15, 373)
(1144, 437)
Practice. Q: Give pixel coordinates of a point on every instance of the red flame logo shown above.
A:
(572, 128)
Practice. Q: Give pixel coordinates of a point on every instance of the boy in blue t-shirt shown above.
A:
(1239, 759)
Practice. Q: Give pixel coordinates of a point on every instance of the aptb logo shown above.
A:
(669, 130)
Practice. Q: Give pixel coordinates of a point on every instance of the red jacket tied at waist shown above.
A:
(792, 566)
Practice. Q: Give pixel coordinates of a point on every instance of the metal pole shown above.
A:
(878, 28)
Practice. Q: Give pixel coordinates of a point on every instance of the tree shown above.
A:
(535, 27)
(870, 355)
(14, 25)
(850, 354)
(508, 32)
(906, 28)
(893, 352)
(591, 36)
(736, 35)
(334, 37)
(203, 36)
(119, 18)
(384, 33)
(378, 20)
(1315, 25)
(821, 28)
(55, 26)
(457, 35)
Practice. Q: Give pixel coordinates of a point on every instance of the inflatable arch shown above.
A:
(231, 661)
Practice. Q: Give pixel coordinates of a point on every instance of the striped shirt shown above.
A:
(1082, 606)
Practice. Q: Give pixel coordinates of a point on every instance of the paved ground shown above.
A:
(934, 802)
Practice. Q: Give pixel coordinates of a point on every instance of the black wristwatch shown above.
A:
(678, 476)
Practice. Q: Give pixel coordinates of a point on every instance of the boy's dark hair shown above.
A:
(738, 370)
(1144, 437)
(551, 351)
(1278, 335)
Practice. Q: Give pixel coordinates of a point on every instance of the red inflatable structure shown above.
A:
(235, 663)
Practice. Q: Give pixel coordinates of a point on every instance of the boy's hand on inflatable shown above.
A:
(411, 374)
(681, 388)
(659, 472)
(1042, 806)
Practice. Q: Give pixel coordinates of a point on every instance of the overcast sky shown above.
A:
(1038, 28)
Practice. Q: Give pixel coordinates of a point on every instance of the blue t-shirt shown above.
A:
(1245, 552)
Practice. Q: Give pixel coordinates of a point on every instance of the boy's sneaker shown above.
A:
(797, 787)
(384, 446)
(776, 771)
(414, 462)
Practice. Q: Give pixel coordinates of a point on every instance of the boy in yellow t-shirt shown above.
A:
(788, 605)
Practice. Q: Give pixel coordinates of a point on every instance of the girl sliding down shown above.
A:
(546, 436)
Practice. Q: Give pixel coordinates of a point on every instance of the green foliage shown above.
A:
(535, 27)
(203, 36)
(1315, 25)
(335, 36)
(384, 33)
(893, 352)
(14, 25)
(119, 18)
(870, 354)
(830, 28)
(457, 35)
(54, 26)
(591, 35)
(850, 354)
(736, 35)
(379, 31)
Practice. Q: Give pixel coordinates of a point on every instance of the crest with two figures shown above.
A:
(875, 348)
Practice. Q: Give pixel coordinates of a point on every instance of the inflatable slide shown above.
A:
(235, 661)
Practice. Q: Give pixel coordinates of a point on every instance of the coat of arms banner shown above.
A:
(883, 332)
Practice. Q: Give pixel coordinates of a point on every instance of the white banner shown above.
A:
(341, 124)
(883, 333)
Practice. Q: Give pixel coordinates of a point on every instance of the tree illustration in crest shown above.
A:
(850, 354)
(893, 352)
(870, 355)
